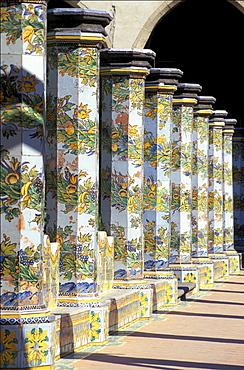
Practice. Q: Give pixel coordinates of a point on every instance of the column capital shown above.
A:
(217, 119)
(229, 126)
(126, 61)
(204, 106)
(85, 26)
(186, 94)
(163, 79)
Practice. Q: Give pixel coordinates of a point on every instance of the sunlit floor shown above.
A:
(202, 333)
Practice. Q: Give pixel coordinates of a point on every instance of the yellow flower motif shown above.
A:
(4, 16)
(190, 277)
(161, 139)
(82, 112)
(8, 349)
(36, 345)
(28, 34)
(143, 304)
(147, 144)
(28, 83)
(95, 326)
(152, 113)
(132, 131)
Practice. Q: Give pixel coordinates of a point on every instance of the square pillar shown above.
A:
(74, 39)
(228, 212)
(160, 87)
(238, 188)
(123, 74)
(27, 329)
(181, 183)
(202, 112)
(215, 195)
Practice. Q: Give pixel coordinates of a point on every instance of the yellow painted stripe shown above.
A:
(166, 87)
(57, 37)
(203, 112)
(185, 100)
(217, 124)
(131, 69)
(228, 131)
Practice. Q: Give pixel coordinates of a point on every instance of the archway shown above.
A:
(203, 39)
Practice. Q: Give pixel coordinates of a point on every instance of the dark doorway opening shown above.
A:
(204, 38)
(58, 4)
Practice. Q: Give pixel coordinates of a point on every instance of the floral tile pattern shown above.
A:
(228, 221)
(121, 174)
(215, 201)
(72, 164)
(181, 184)
(156, 189)
(22, 75)
(238, 188)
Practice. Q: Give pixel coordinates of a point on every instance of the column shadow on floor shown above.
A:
(158, 364)
(219, 316)
(182, 337)
(215, 302)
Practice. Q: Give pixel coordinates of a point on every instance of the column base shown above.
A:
(234, 261)
(27, 340)
(206, 271)
(186, 273)
(221, 265)
(165, 287)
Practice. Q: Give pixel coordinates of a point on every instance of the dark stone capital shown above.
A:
(168, 76)
(126, 61)
(217, 118)
(229, 125)
(186, 94)
(85, 20)
(204, 106)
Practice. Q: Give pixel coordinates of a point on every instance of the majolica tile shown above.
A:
(238, 156)
(181, 172)
(228, 185)
(157, 153)
(200, 138)
(21, 161)
(215, 200)
(75, 71)
(122, 152)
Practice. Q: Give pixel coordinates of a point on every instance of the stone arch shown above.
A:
(161, 12)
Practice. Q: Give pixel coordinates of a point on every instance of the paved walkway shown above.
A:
(207, 333)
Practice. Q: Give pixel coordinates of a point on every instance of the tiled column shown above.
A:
(228, 213)
(202, 112)
(238, 188)
(123, 75)
(74, 39)
(26, 333)
(215, 195)
(160, 87)
(181, 181)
